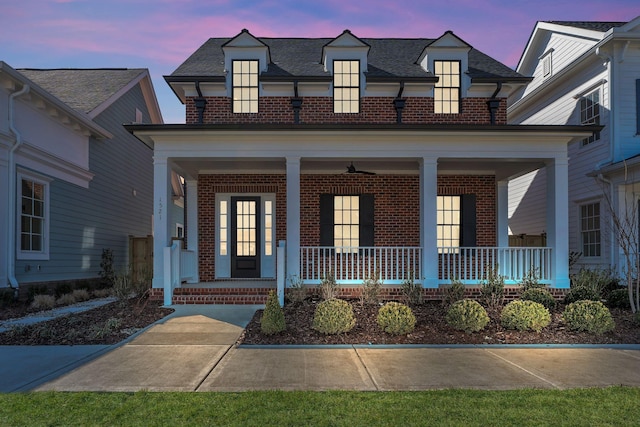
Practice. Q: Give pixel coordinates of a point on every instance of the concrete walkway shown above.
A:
(193, 350)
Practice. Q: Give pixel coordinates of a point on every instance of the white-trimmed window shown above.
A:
(446, 93)
(449, 222)
(590, 229)
(245, 86)
(346, 86)
(590, 114)
(346, 224)
(33, 214)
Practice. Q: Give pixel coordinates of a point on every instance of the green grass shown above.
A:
(580, 407)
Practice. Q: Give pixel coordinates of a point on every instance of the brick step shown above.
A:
(186, 295)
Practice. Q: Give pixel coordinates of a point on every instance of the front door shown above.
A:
(245, 237)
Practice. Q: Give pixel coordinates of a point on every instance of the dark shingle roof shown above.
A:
(589, 25)
(82, 89)
(388, 58)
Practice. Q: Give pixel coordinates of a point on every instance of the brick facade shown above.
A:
(319, 110)
(396, 206)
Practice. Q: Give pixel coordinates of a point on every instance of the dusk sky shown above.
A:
(161, 34)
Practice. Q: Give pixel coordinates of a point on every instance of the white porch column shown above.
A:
(191, 216)
(293, 216)
(429, 221)
(558, 220)
(161, 217)
(502, 229)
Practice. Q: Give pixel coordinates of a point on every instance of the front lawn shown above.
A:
(580, 407)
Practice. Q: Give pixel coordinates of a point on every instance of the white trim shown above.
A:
(45, 182)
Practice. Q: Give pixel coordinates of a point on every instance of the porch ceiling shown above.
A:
(503, 169)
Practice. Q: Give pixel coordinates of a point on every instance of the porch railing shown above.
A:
(352, 265)
(471, 265)
(355, 264)
(179, 265)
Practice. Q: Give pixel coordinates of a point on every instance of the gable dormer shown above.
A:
(448, 59)
(246, 46)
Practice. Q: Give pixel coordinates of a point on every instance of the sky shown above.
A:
(161, 34)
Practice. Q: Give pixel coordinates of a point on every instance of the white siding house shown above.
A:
(583, 73)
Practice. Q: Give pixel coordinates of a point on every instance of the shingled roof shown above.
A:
(301, 57)
(82, 89)
(589, 25)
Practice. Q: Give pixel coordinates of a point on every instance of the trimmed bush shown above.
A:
(581, 293)
(467, 315)
(396, 318)
(588, 316)
(333, 316)
(539, 295)
(525, 315)
(272, 320)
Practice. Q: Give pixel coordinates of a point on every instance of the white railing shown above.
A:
(355, 264)
(171, 270)
(470, 265)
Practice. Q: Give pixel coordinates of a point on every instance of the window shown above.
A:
(245, 86)
(448, 223)
(590, 229)
(456, 218)
(34, 218)
(346, 86)
(590, 114)
(224, 228)
(446, 94)
(346, 221)
(179, 230)
(268, 228)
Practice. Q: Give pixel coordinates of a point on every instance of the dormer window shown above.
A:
(245, 86)
(446, 93)
(346, 86)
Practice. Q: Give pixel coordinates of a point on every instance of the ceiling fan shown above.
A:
(352, 169)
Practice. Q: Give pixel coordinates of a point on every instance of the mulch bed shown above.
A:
(431, 328)
(107, 324)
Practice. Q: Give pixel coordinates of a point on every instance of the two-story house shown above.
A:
(73, 181)
(350, 157)
(583, 73)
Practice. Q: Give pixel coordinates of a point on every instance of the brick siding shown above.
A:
(319, 110)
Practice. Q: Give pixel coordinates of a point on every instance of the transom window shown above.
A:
(34, 218)
(446, 93)
(590, 229)
(449, 222)
(245, 86)
(590, 114)
(346, 86)
(346, 224)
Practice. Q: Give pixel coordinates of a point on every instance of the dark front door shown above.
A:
(245, 237)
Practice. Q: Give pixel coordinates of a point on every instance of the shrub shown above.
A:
(333, 316)
(81, 294)
(272, 320)
(62, 289)
(411, 291)
(102, 293)
(66, 299)
(122, 286)
(619, 298)
(370, 292)
(525, 315)
(396, 318)
(467, 315)
(539, 295)
(328, 287)
(580, 293)
(6, 297)
(107, 273)
(453, 292)
(297, 290)
(492, 289)
(43, 302)
(531, 280)
(596, 281)
(36, 290)
(589, 316)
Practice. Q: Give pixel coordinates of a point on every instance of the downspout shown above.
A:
(11, 229)
(398, 103)
(201, 103)
(493, 103)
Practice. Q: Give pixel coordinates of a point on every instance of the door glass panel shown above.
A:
(246, 228)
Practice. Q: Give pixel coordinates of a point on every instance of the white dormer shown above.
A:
(245, 46)
(345, 47)
(448, 47)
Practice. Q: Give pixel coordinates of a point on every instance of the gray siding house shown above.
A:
(82, 182)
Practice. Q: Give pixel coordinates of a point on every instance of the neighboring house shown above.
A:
(349, 157)
(583, 73)
(77, 182)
